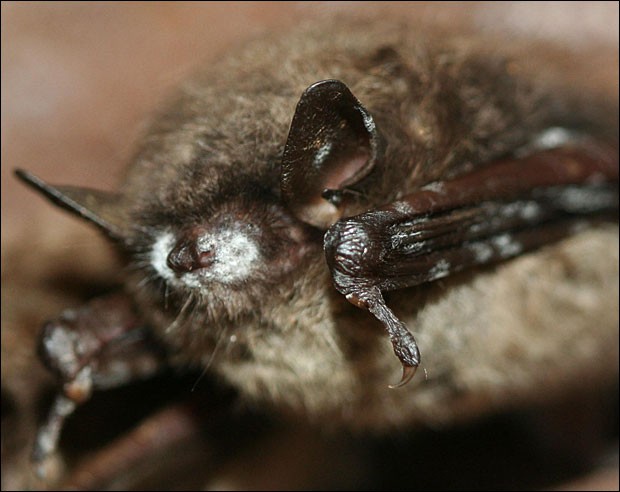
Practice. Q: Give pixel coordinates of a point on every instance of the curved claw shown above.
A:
(408, 373)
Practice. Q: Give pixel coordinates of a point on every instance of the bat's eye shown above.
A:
(187, 256)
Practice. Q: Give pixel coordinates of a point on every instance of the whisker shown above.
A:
(218, 343)
(166, 294)
(181, 316)
(144, 281)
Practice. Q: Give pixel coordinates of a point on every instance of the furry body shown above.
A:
(282, 333)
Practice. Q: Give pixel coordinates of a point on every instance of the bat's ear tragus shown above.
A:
(333, 143)
(101, 208)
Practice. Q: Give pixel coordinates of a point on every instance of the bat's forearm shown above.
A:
(495, 213)
(498, 212)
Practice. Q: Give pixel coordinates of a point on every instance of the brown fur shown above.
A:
(444, 104)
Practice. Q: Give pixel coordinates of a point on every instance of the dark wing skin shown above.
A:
(494, 213)
(96, 206)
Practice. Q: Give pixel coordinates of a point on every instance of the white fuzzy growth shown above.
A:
(440, 270)
(582, 200)
(49, 433)
(403, 207)
(322, 154)
(482, 252)
(369, 123)
(550, 138)
(526, 210)
(510, 210)
(436, 187)
(506, 245)
(236, 257)
(159, 255)
(530, 211)
(59, 346)
(553, 137)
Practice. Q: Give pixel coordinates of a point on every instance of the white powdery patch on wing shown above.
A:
(403, 207)
(440, 270)
(482, 251)
(159, 255)
(550, 138)
(530, 211)
(436, 186)
(506, 245)
(554, 137)
(526, 210)
(582, 200)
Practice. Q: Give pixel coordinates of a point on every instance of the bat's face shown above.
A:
(221, 236)
(226, 254)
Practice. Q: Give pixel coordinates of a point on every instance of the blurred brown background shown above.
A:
(79, 80)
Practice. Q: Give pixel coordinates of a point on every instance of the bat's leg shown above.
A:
(494, 213)
(100, 345)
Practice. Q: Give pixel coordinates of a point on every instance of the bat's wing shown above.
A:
(98, 207)
(494, 213)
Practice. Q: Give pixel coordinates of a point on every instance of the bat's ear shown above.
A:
(99, 207)
(332, 144)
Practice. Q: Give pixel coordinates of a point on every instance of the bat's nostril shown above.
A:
(182, 258)
(187, 256)
(205, 258)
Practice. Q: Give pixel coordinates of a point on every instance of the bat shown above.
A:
(278, 194)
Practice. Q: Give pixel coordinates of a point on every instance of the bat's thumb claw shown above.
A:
(408, 373)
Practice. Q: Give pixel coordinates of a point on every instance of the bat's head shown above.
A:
(229, 232)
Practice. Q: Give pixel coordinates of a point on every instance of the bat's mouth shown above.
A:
(497, 212)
